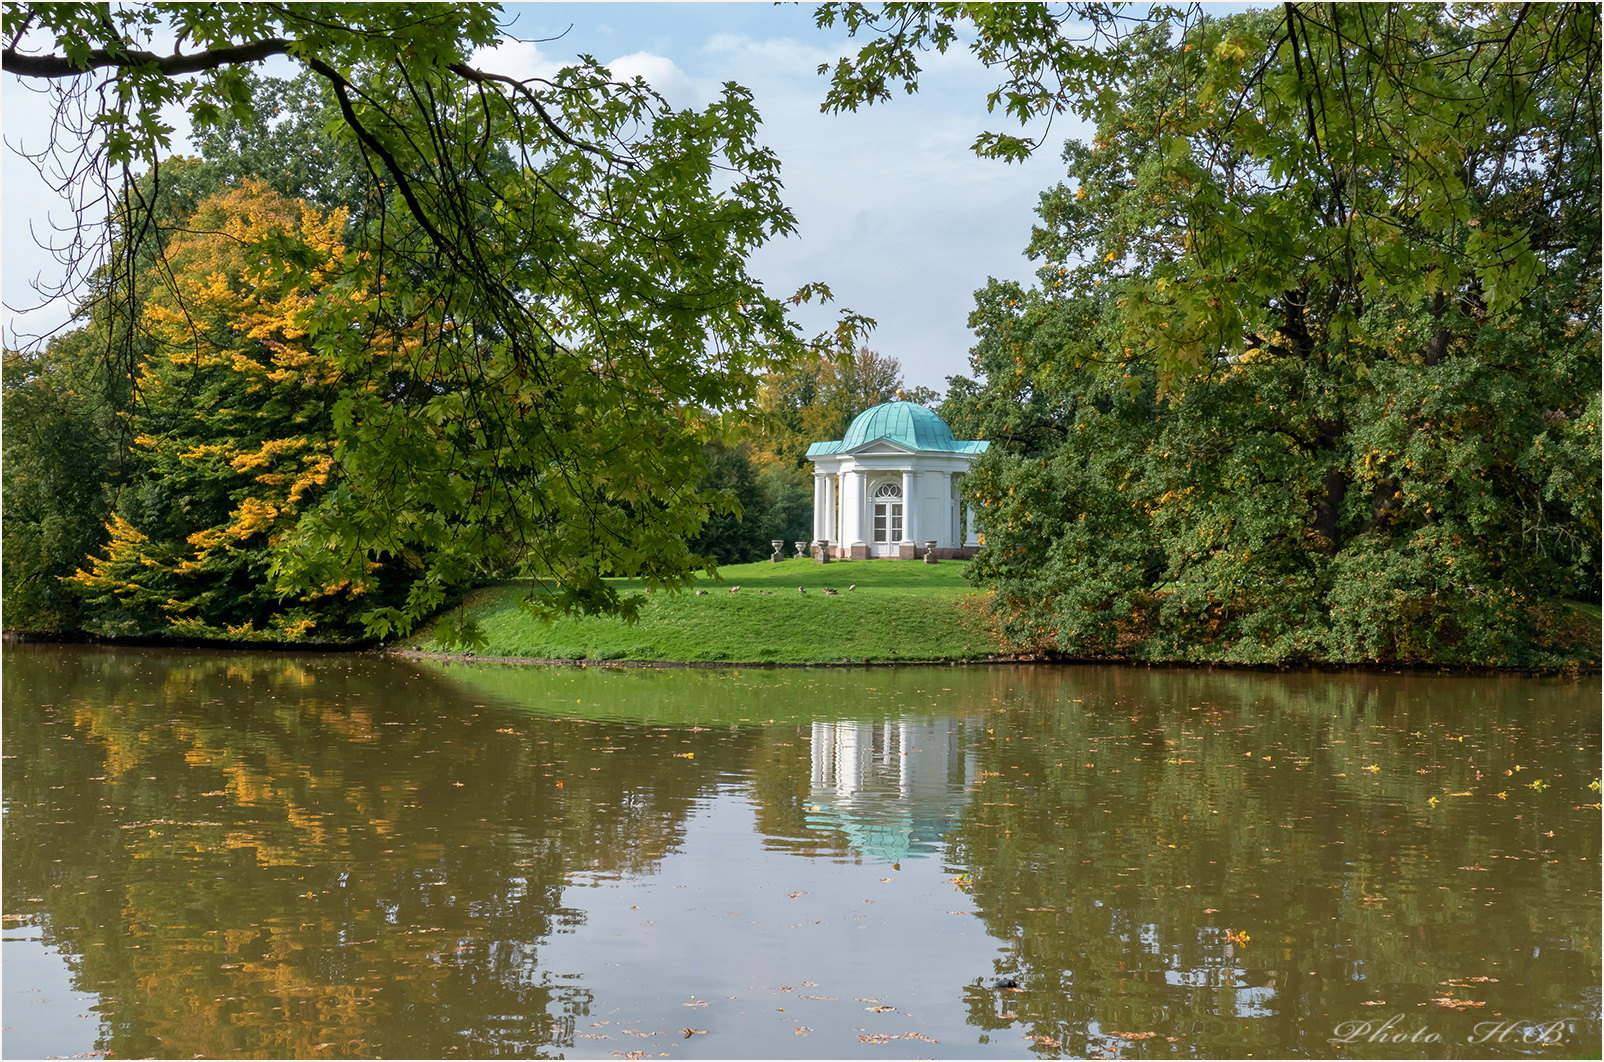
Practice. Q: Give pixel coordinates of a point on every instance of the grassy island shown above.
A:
(754, 613)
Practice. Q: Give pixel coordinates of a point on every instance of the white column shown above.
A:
(819, 511)
(843, 508)
(852, 487)
(829, 524)
(910, 507)
(949, 512)
(973, 537)
(865, 513)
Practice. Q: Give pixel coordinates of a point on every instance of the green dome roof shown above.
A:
(904, 423)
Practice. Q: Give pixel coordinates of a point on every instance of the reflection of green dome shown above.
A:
(883, 835)
(904, 423)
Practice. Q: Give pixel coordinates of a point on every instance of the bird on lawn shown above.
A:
(854, 586)
(699, 593)
(801, 589)
(735, 588)
(829, 591)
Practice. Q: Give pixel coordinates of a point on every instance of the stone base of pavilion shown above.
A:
(905, 551)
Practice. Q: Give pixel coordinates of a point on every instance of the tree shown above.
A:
(234, 431)
(1274, 398)
(817, 398)
(741, 535)
(569, 252)
(60, 469)
(68, 452)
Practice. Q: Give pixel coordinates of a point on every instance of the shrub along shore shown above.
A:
(762, 613)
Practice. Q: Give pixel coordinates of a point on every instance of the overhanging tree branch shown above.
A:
(54, 66)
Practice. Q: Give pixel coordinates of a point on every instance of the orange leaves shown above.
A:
(254, 266)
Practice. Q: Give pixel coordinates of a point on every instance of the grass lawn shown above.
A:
(900, 611)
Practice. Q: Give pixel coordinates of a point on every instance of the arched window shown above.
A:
(892, 491)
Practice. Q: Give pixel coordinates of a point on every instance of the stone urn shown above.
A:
(802, 548)
(779, 550)
(821, 552)
(930, 551)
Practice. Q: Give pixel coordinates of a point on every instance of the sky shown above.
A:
(895, 213)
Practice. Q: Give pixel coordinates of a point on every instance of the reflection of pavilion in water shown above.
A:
(893, 788)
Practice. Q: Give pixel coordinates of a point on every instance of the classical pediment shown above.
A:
(880, 448)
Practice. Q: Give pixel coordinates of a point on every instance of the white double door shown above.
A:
(885, 528)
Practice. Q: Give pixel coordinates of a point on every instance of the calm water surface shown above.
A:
(353, 856)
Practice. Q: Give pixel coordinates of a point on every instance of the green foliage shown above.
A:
(232, 438)
(789, 493)
(565, 257)
(59, 464)
(289, 141)
(1266, 405)
(814, 399)
(742, 534)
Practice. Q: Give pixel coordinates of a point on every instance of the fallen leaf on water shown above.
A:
(1135, 1036)
(802, 1030)
(1458, 1004)
(695, 1003)
(881, 1009)
(883, 1038)
(1374, 1003)
(1044, 1041)
(810, 984)
(689, 1032)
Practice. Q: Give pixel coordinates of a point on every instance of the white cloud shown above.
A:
(519, 59)
(670, 82)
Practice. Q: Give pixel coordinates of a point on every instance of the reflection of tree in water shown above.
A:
(293, 857)
(1129, 825)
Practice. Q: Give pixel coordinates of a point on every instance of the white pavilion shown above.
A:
(890, 487)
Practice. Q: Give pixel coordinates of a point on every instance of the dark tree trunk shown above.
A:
(1438, 347)
(1334, 486)
(1329, 433)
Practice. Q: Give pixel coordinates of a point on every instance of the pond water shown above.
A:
(239, 856)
